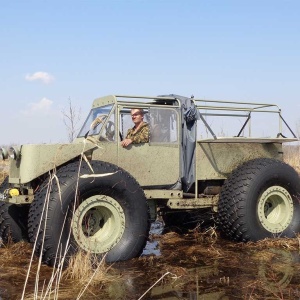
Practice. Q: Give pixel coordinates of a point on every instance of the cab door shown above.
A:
(156, 163)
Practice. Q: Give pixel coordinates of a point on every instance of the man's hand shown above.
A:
(126, 142)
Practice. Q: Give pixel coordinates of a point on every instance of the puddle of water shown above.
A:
(190, 267)
(152, 246)
(218, 279)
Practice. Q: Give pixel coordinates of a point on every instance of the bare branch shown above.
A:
(71, 118)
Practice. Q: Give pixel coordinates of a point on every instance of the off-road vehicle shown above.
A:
(93, 194)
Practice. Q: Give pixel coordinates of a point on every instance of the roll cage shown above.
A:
(206, 110)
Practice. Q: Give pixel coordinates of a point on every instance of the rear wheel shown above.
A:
(13, 219)
(260, 200)
(108, 215)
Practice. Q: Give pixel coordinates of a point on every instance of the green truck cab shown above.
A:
(95, 195)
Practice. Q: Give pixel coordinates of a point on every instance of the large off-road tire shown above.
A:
(13, 219)
(107, 214)
(260, 200)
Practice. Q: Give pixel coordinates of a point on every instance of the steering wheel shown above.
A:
(100, 119)
(110, 130)
(109, 127)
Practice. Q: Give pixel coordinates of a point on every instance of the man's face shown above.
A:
(136, 116)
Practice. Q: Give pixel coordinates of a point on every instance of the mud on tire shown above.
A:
(110, 214)
(260, 200)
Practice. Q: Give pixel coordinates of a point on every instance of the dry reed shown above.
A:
(83, 278)
(81, 268)
(3, 170)
(84, 266)
(292, 156)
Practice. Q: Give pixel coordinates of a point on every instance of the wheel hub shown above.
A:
(275, 209)
(92, 222)
(98, 224)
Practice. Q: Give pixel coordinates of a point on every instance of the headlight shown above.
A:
(3, 154)
(14, 153)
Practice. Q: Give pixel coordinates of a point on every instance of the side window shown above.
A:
(163, 125)
(126, 120)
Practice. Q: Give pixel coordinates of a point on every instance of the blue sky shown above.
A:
(214, 49)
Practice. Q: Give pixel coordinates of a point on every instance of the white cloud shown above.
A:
(43, 107)
(42, 76)
(40, 122)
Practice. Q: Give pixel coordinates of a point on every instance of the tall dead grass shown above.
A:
(3, 170)
(84, 278)
(291, 155)
(84, 270)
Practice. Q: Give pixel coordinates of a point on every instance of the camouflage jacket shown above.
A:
(141, 136)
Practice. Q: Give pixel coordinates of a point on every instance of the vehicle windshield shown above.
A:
(95, 121)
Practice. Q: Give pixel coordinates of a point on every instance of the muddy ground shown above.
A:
(195, 265)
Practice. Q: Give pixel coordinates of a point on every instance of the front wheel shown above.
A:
(260, 200)
(101, 215)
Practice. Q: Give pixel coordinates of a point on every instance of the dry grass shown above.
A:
(14, 259)
(83, 278)
(84, 266)
(3, 170)
(292, 156)
(291, 244)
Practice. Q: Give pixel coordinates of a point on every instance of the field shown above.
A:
(198, 264)
(3, 170)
